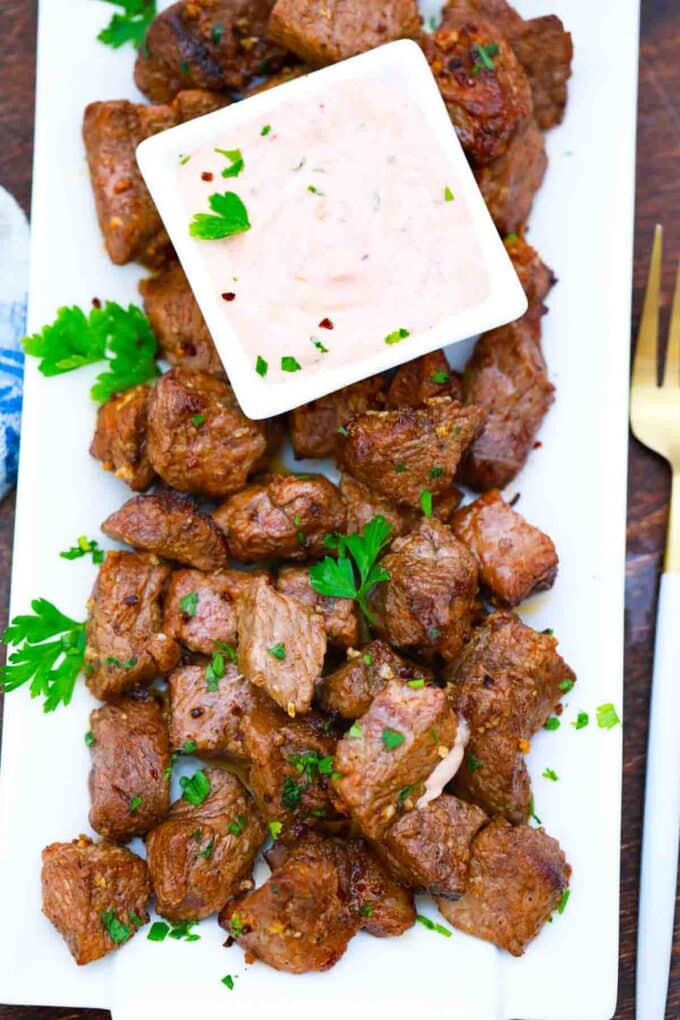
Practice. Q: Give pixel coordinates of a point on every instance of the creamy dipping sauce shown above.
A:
(358, 236)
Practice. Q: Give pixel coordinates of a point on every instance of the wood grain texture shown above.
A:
(658, 200)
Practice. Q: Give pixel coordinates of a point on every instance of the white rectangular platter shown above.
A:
(574, 487)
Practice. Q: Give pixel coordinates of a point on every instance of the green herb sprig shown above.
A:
(356, 571)
(230, 217)
(129, 26)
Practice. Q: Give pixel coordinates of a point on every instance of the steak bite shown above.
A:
(350, 689)
(337, 29)
(536, 278)
(210, 714)
(129, 784)
(515, 558)
(199, 438)
(281, 645)
(177, 321)
(363, 504)
(507, 378)
(95, 895)
(119, 440)
(199, 607)
(429, 601)
(510, 183)
(283, 518)
(125, 644)
(393, 748)
(506, 683)
(402, 453)
(340, 616)
(424, 377)
(486, 91)
(314, 426)
(517, 877)
(203, 854)
(170, 526)
(429, 848)
(206, 44)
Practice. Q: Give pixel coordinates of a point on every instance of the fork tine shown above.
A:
(644, 365)
(671, 375)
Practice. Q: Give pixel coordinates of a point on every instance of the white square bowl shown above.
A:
(159, 160)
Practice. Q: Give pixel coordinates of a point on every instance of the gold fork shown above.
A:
(655, 419)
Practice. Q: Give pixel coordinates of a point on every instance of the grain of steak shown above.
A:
(199, 438)
(204, 854)
(314, 426)
(517, 878)
(177, 321)
(126, 646)
(350, 689)
(129, 785)
(119, 440)
(83, 880)
(340, 616)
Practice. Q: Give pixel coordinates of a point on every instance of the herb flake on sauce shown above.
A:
(231, 217)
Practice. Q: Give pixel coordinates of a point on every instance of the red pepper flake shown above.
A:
(326, 324)
(96, 303)
(228, 295)
(537, 444)
(206, 176)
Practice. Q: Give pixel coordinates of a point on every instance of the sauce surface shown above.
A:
(357, 231)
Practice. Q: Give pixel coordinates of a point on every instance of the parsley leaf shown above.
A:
(607, 716)
(396, 336)
(582, 721)
(118, 930)
(275, 829)
(231, 217)
(84, 547)
(130, 26)
(278, 651)
(189, 603)
(261, 366)
(111, 333)
(550, 774)
(448, 194)
(431, 926)
(196, 788)
(236, 163)
(291, 793)
(357, 554)
(51, 666)
(392, 739)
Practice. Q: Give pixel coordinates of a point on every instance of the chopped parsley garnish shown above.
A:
(183, 931)
(392, 739)
(311, 765)
(441, 378)
(566, 685)
(607, 716)
(366, 910)
(135, 803)
(228, 981)
(356, 731)
(89, 739)
(266, 130)
(238, 825)
(189, 747)
(158, 931)
(120, 336)
(231, 217)
(431, 926)
(532, 811)
(436, 472)
(236, 925)
(215, 671)
(291, 794)
(426, 502)
(315, 191)
(319, 346)
(581, 721)
(236, 164)
(434, 633)
(131, 25)
(550, 774)
(207, 850)
(564, 899)
(416, 684)
(189, 603)
(357, 555)
(511, 238)
(290, 364)
(184, 160)
(278, 651)
(396, 336)
(553, 723)
(84, 547)
(226, 649)
(118, 930)
(473, 763)
(275, 829)
(130, 663)
(342, 431)
(135, 918)
(406, 792)
(195, 788)
(198, 420)
(448, 194)
(216, 33)
(485, 55)
(548, 630)
(261, 366)
(400, 467)
(51, 667)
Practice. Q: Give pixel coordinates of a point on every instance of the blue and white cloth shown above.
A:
(13, 301)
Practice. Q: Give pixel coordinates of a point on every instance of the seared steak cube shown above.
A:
(170, 526)
(340, 616)
(536, 278)
(407, 452)
(337, 29)
(510, 183)
(204, 853)
(206, 44)
(199, 438)
(424, 377)
(393, 748)
(95, 895)
(210, 711)
(177, 322)
(506, 377)
(119, 440)
(515, 558)
(487, 104)
(126, 646)
(284, 518)
(314, 426)
(350, 689)
(429, 848)
(129, 784)
(199, 607)
(517, 877)
(281, 645)
(506, 683)
(429, 601)
(363, 504)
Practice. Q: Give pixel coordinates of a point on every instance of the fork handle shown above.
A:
(662, 811)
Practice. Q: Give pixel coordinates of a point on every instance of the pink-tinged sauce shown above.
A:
(375, 248)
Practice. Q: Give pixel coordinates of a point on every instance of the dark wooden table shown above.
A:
(658, 200)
